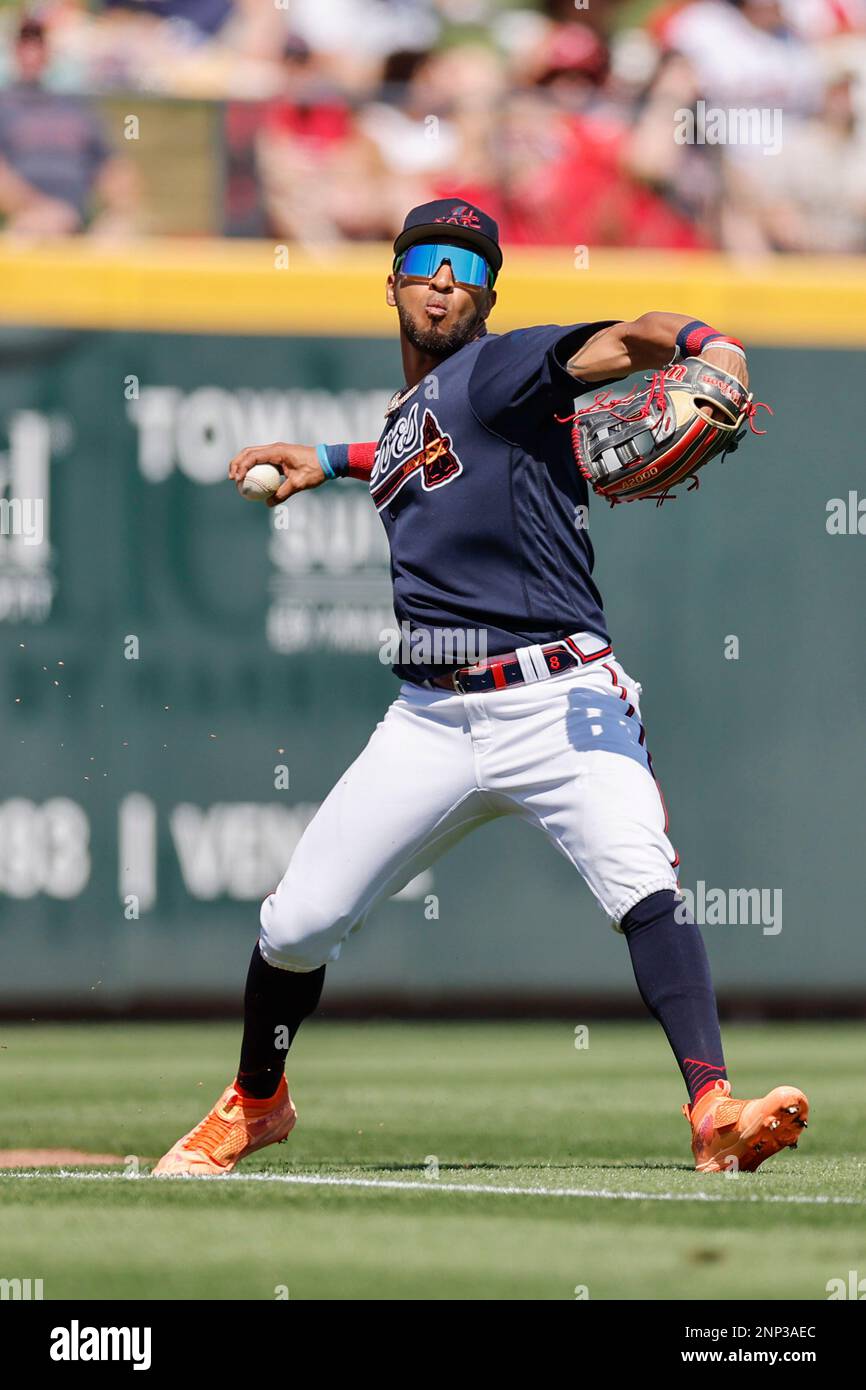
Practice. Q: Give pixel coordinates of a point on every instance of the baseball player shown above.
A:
(476, 482)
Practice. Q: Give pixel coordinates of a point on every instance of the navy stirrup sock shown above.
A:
(276, 1002)
(672, 971)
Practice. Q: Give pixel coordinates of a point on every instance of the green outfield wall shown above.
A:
(182, 683)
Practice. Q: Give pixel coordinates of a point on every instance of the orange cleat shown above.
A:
(730, 1134)
(235, 1127)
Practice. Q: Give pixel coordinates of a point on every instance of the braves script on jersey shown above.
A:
(484, 508)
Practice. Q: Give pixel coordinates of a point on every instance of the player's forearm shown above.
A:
(303, 466)
(642, 344)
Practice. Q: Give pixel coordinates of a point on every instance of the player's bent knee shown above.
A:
(298, 963)
(299, 935)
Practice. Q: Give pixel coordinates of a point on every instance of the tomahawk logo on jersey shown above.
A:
(407, 450)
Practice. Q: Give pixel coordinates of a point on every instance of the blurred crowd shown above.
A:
(738, 124)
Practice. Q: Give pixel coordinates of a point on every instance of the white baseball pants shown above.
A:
(567, 754)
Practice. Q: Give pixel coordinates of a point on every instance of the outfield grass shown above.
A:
(507, 1106)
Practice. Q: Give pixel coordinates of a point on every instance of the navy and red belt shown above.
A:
(526, 665)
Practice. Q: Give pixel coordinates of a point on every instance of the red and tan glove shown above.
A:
(641, 445)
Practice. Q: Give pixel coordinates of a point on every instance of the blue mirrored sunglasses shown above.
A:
(423, 260)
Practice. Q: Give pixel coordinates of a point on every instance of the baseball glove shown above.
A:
(643, 444)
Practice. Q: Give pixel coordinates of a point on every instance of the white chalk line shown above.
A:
(435, 1185)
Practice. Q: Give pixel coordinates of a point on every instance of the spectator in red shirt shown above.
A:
(565, 158)
(321, 175)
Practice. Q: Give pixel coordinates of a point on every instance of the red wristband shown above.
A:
(361, 460)
(695, 336)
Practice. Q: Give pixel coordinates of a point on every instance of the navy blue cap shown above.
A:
(446, 219)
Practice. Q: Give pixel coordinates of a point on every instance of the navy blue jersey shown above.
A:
(484, 506)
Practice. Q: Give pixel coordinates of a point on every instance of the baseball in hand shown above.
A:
(261, 482)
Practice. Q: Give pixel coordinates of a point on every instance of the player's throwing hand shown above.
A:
(299, 464)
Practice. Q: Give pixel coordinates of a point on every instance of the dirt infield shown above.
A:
(54, 1158)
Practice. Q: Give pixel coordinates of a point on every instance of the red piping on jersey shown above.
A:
(621, 689)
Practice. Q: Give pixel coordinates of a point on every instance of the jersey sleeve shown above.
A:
(523, 374)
